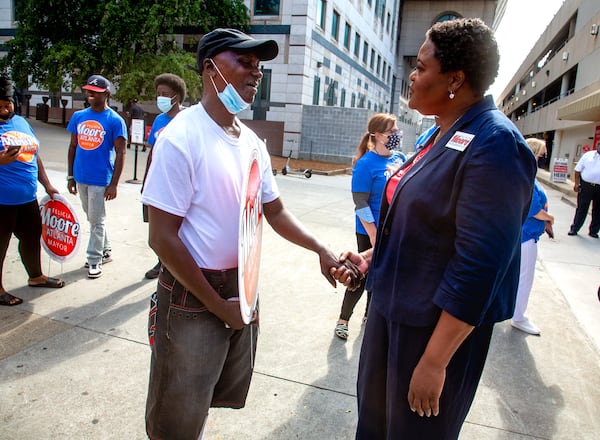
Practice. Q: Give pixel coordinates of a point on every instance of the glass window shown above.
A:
(356, 44)
(365, 52)
(447, 16)
(343, 98)
(316, 90)
(372, 64)
(335, 25)
(263, 96)
(321, 13)
(347, 34)
(266, 7)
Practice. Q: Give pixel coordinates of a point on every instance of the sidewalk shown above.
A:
(74, 361)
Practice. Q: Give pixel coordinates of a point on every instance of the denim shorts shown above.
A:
(197, 362)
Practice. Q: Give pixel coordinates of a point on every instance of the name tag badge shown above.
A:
(460, 141)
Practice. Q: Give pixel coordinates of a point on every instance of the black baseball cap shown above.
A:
(97, 83)
(220, 40)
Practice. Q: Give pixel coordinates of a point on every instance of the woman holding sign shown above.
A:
(20, 169)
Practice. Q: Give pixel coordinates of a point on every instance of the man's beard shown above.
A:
(7, 116)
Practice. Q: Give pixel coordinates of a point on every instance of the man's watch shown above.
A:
(70, 178)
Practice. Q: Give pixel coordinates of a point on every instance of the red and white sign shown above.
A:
(560, 170)
(597, 137)
(250, 238)
(60, 228)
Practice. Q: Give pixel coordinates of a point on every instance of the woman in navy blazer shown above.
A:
(445, 266)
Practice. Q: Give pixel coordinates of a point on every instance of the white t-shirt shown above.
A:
(197, 173)
(589, 167)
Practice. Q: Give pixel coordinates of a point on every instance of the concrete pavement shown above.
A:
(74, 361)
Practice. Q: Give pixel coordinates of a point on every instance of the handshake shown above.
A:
(348, 271)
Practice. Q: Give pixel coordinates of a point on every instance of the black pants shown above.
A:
(25, 222)
(352, 297)
(588, 193)
(389, 353)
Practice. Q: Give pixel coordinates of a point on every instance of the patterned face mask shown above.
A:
(393, 141)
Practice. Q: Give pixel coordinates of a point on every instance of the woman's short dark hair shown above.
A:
(467, 44)
(174, 82)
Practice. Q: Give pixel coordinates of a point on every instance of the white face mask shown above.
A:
(164, 103)
(230, 98)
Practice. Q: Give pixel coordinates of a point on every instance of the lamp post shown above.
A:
(64, 111)
(27, 98)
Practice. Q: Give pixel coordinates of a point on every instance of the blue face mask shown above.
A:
(230, 98)
(164, 103)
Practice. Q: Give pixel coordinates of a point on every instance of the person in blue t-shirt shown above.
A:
(374, 162)
(538, 221)
(20, 170)
(170, 94)
(96, 158)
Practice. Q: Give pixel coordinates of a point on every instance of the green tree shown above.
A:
(59, 43)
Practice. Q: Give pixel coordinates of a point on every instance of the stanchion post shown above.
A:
(137, 138)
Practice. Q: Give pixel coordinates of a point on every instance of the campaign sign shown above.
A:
(250, 238)
(60, 228)
(560, 170)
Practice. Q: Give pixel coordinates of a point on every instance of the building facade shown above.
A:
(340, 61)
(555, 94)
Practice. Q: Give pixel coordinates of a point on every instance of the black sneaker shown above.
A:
(593, 234)
(106, 258)
(572, 232)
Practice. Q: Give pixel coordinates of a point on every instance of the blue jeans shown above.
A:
(92, 201)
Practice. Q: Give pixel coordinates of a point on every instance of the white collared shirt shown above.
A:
(589, 167)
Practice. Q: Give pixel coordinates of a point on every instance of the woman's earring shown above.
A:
(451, 94)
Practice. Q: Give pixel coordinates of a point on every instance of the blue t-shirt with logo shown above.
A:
(96, 135)
(369, 175)
(18, 180)
(160, 122)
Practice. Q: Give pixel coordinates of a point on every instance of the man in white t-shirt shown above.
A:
(202, 352)
(587, 187)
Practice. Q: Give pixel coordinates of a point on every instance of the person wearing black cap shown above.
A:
(95, 162)
(20, 169)
(202, 350)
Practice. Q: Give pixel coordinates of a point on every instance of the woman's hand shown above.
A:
(343, 273)
(8, 156)
(425, 388)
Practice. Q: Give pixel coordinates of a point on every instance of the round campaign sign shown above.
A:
(60, 228)
(250, 238)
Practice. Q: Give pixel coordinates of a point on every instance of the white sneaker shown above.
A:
(526, 326)
(95, 270)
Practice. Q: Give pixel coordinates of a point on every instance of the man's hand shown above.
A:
(110, 192)
(72, 186)
(229, 312)
(328, 261)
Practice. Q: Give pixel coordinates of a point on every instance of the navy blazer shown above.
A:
(450, 238)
